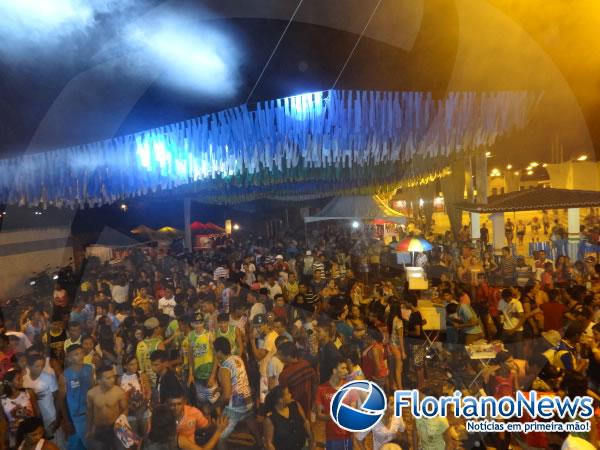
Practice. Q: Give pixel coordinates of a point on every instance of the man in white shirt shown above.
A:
(263, 349)
(513, 317)
(46, 389)
(120, 291)
(274, 288)
(257, 306)
(167, 303)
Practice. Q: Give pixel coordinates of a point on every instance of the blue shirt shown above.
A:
(565, 355)
(467, 314)
(78, 384)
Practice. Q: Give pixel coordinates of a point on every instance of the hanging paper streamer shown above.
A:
(346, 139)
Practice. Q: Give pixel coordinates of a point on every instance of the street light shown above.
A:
(236, 227)
(530, 172)
(488, 154)
(123, 207)
(582, 158)
(508, 166)
(355, 224)
(534, 164)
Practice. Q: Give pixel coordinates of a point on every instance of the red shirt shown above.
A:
(553, 315)
(192, 420)
(300, 377)
(5, 362)
(325, 393)
(368, 362)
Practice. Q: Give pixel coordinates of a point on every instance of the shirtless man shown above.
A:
(105, 402)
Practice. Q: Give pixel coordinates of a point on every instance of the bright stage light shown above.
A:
(28, 28)
(195, 58)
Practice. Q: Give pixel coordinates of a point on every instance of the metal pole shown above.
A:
(187, 219)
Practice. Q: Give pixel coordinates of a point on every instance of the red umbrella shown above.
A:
(195, 226)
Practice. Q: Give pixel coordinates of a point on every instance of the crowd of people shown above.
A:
(244, 345)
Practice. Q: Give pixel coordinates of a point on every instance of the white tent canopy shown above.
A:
(109, 241)
(358, 207)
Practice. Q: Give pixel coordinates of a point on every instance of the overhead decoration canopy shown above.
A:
(324, 143)
(359, 208)
(534, 200)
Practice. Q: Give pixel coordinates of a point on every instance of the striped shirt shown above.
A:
(220, 273)
(318, 265)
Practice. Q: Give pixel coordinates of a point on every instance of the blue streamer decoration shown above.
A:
(278, 142)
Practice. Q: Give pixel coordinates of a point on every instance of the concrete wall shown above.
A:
(23, 252)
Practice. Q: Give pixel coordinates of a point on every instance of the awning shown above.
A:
(535, 199)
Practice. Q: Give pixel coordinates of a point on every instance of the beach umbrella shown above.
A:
(414, 244)
(170, 231)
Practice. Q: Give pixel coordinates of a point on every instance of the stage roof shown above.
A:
(535, 199)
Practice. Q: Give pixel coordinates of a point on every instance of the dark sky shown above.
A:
(309, 58)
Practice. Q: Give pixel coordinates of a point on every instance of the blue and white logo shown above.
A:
(371, 403)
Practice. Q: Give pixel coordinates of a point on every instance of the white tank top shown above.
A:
(129, 382)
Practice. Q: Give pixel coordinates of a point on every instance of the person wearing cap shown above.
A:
(281, 266)
(552, 338)
(262, 344)
(202, 367)
(152, 341)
